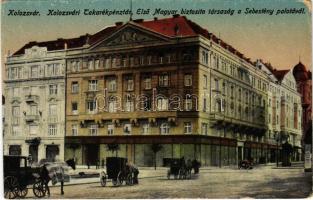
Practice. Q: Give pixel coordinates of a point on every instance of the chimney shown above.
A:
(176, 15)
(176, 29)
(138, 20)
(119, 23)
(155, 18)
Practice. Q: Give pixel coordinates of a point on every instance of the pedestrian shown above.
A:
(45, 178)
(88, 164)
(98, 164)
(136, 173)
(102, 163)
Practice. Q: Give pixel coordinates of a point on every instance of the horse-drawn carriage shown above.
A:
(118, 170)
(179, 169)
(18, 175)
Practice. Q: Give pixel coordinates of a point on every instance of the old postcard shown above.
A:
(156, 99)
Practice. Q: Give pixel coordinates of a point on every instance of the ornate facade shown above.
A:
(171, 82)
(34, 92)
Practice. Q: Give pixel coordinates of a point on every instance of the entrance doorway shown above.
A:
(91, 154)
(51, 152)
(33, 152)
(240, 154)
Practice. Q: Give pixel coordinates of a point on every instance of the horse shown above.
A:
(55, 171)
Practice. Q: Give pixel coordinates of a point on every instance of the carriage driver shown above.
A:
(132, 168)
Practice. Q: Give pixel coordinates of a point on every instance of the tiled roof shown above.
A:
(280, 74)
(71, 43)
(176, 26)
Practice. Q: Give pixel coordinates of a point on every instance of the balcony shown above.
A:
(31, 98)
(31, 118)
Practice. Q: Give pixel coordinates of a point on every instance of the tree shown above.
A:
(156, 148)
(113, 147)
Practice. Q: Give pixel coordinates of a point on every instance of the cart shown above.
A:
(118, 171)
(178, 169)
(18, 176)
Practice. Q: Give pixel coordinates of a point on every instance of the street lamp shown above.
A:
(277, 137)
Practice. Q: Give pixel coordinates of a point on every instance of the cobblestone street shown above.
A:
(261, 182)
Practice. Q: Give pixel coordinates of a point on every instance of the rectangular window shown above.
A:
(93, 85)
(97, 64)
(53, 69)
(16, 111)
(34, 72)
(15, 130)
(90, 64)
(91, 106)
(93, 129)
(187, 128)
(33, 109)
(188, 80)
(162, 104)
(204, 105)
(129, 104)
(75, 87)
(204, 128)
(74, 129)
(74, 108)
(53, 89)
(75, 66)
(112, 85)
(146, 128)
(16, 92)
(216, 85)
(164, 80)
(52, 110)
(188, 104)
(205, 82)
(52, 129)
(147, 83)
(130, 85)
(110, 129)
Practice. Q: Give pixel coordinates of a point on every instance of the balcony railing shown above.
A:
(31, 98)
(52, 119)
(31, 118)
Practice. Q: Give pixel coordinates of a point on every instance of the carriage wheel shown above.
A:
(22, 192)
(189, 174)
(168, 174)
(114, 182)
(120, 178)
(39, 189)
(129, 179)
(10, 187)
(103, 179)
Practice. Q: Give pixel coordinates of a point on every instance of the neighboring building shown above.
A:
(34, 92)
(291, 111)
(304, 85)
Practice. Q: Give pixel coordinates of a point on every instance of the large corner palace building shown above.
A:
(166, 81)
